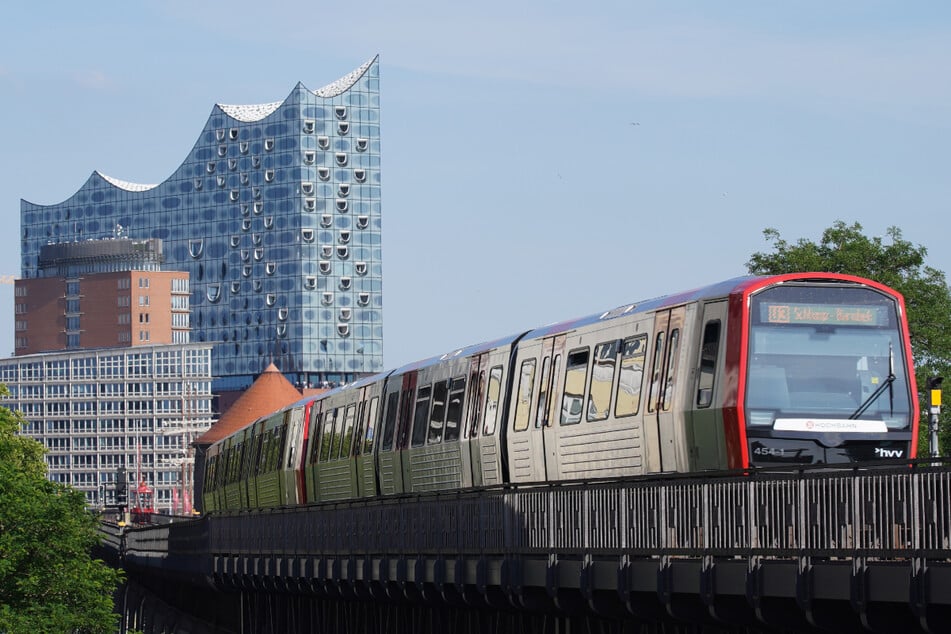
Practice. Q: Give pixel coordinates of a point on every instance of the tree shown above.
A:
(894, 262)
(48, 579)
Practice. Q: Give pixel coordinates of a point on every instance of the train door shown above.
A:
(391, 462)
(470, 437)
(491, 421)
(312, 451)
(707, 438)
(404, 432)
(364, 442)
(660, 420)
(290, 469)
(543, 430)
(386, 449)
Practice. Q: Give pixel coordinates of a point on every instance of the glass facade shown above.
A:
(276, 215)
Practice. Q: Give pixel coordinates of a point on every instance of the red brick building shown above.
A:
(79, 303)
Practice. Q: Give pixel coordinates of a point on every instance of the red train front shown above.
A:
(825, 371)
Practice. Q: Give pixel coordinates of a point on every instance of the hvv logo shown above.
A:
(888, 453)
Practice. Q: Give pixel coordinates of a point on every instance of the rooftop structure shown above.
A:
(100, 294)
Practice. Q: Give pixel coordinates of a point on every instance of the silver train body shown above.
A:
(804, 368)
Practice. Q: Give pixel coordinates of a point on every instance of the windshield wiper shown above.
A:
(881, 388)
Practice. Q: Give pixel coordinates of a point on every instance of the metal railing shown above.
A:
(887, 512)
(837, 546)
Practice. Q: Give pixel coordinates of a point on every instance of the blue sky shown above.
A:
(541, 160)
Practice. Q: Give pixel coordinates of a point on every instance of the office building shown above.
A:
(97, 410)
(274, 214)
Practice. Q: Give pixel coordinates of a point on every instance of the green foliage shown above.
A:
(48, 580)
(894, 262)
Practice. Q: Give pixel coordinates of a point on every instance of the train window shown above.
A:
(523, 405)
(251, 465)
(406, 417)
(216, 477)
(419, 420)
(226, 465)
(673, 347)
(553, 401)
(223, 475)
(389, 420)
(627, 402)
(708, 363)
(576, 373)
(276, 449)
(210, 473)
(240, 455)
(656, 368)
(267, 449)
(337, 433)
(263, 451)
(234, 462)
(229, 465)
(273, 449)
(370, 425)
(359, 428)
(493, 394)
(292, 452)
(327, 436)
(247, 457)
(454, 412)
(221, 470)
(437, 419)
(346, 441)
(238, 461)
(543, 389)
(476, 390)
(315, 437)
(602, 378)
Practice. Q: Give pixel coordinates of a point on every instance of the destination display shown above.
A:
(826, 314)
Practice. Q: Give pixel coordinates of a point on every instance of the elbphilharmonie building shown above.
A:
(275, 214)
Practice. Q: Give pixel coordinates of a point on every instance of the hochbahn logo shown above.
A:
(836, 425)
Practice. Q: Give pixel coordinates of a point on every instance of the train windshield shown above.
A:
(826, 352)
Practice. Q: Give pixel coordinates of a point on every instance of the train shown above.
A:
(754, 371)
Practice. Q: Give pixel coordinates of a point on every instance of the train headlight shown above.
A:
(761, 418)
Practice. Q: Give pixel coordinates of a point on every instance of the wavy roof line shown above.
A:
(247, 114)
(256, 112)
(344, 83)
(250, 113)
(126, 185)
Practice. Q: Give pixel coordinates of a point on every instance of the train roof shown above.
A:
(467, 351)
(713, 290)
(367, 380)
(718, 289)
